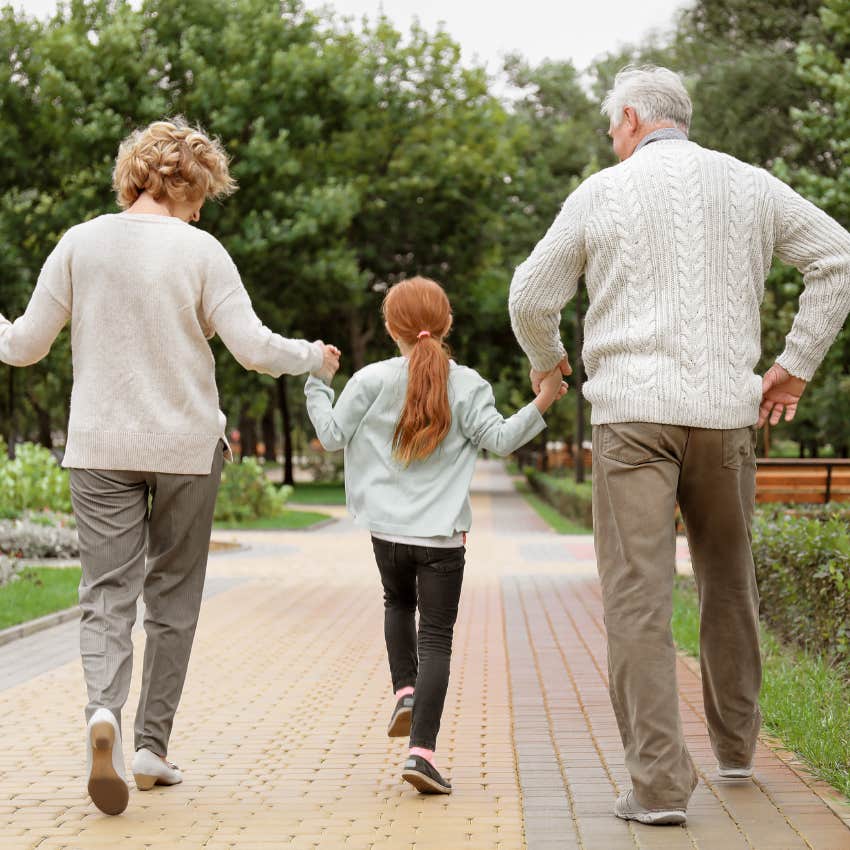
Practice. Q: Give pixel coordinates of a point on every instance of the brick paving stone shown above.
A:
(281, 733)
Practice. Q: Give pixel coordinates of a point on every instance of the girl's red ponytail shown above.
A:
(417, 311)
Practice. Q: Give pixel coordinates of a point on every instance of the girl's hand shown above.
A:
(551, 389)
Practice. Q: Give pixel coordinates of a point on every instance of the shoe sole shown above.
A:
(423, 783)
(400, 724)
(671, 818)
(108, 791)
(732, 773)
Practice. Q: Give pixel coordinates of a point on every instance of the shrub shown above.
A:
(25, 538)
(325, 467)
(803, 568)
(33, 480)
(8, 569)
(574, 501)
(246, 493)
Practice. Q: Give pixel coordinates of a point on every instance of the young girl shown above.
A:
(411, 428)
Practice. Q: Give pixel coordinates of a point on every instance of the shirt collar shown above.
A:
(661, 135)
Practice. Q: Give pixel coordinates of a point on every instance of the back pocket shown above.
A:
(632, 443)
(739, 447)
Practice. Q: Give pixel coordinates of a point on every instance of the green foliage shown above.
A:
(549, 514)
(365, 155)
(286, 521)
(320, 493)
(803, 567)
(32, 481)
(573, 501)
(37, 591)
(246, 494)
(822, 127)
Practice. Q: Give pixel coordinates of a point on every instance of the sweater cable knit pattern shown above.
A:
(674, 243)
(686, 196)
(739, 300)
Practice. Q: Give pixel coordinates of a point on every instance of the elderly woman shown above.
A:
(144, 292)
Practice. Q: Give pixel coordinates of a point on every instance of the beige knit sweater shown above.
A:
(144, 293)
(675, 244)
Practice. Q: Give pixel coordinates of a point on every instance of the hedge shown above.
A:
(574, 501)
(802, 558)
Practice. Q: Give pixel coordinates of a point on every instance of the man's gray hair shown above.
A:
(656, 94)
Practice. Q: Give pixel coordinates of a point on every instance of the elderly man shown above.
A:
(675, 243)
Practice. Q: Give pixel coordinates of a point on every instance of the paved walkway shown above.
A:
(281, 733)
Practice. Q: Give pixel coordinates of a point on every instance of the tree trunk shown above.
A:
(248, 432)
(270, 431)
(286, 421)
(359, 337)
(577, 384)
(13, 430)
(45, 437)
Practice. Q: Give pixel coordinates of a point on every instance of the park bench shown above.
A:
(804, 480)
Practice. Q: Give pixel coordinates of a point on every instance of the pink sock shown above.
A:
(403, 692)
(428, 755)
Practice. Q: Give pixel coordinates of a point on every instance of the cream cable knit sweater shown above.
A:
(144, 293)
(675, 244)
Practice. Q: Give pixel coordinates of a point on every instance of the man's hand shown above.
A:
(536, 377)
(780, 392)
(330, 362)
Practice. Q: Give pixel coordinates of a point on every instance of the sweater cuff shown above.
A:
(546, 362)
(317, 356)
(795, 363)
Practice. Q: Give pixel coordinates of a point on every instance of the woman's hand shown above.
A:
(330, 362)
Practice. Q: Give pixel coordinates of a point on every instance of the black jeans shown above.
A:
(430, 578)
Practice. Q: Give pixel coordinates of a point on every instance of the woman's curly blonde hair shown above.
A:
(171, 160)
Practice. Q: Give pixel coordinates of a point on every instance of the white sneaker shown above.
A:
(149, 770)
(105, 763)
(628, 808)
(735, 772)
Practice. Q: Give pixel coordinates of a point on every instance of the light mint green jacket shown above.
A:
(429, 498)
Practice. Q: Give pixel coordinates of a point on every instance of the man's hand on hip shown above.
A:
(780, 393)
(536, 377)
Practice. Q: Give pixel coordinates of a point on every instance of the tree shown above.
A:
(823, 126)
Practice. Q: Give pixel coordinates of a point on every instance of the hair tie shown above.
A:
(423, 333)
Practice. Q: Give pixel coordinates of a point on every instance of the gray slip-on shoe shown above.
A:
(628, 808)
(728, 772)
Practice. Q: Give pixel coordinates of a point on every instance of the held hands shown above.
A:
(330, 362)
(563, 368)
(550, 389)
(781, 391)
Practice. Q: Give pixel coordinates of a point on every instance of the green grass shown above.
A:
(556, 520)
(290, 520)
(38, 591)
(803, 700)
(318, 493)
